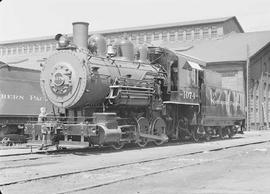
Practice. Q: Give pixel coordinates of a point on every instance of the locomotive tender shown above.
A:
(118, 94)
(20, 100)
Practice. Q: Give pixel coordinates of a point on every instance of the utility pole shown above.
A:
(247, 90)
(267, 101)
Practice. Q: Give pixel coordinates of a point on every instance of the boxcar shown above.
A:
(20, 99)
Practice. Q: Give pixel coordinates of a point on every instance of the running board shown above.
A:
(163, 137)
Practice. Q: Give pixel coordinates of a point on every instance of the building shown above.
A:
(30, 52)
(230, 55)
(180, 31)
(259, 88)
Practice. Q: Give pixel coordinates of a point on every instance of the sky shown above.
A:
(22, 19)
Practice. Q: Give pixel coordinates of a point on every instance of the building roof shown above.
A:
(139, 28)
(169, 25)
(232, 47)
(36, 39)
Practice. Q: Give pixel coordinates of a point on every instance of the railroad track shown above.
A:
(166, 169)
(105, 149)
(101, 149)
(16, 157)
(8, 159)
(128, 165)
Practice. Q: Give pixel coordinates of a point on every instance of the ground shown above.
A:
(246, 172)
(235, 166)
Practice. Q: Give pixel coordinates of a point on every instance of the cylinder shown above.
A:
(80, 34)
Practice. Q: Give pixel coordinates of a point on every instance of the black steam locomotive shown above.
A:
(118, 94)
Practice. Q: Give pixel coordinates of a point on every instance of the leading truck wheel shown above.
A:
(118, 145)
(158, 128)
(143, 127)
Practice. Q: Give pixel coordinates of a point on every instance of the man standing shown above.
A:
(44, 130)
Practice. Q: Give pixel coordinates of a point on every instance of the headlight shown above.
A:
(63, 41)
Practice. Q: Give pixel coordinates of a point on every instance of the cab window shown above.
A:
(193, 75)
(174, 76)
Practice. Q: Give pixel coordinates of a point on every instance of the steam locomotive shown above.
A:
(117, 94)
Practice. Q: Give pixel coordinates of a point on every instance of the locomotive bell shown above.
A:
(80, 34)
(110, 51)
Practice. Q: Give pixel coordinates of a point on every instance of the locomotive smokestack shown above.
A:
(80, 34)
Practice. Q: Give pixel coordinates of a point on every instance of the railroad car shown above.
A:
(117, 94)
(20, 100)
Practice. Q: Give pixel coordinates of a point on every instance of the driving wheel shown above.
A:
(143, 127)
(158, 129)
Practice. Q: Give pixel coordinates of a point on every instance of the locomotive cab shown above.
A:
(184, 81)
